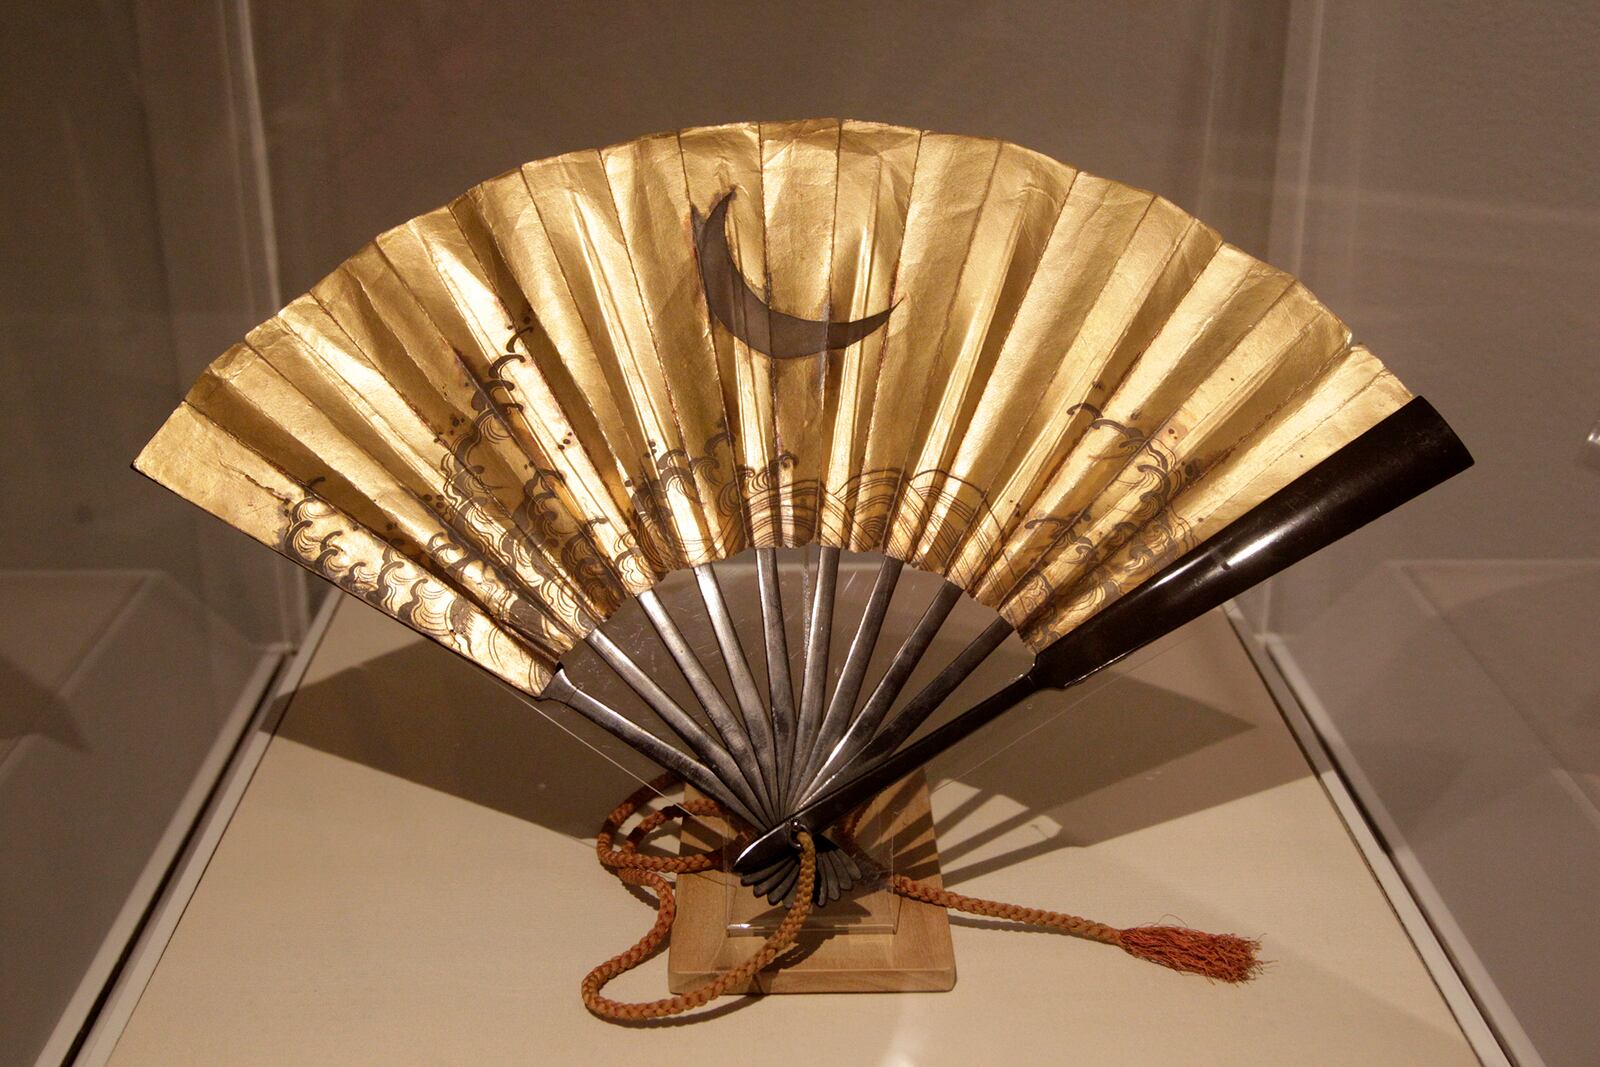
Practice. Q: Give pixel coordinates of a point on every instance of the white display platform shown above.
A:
(408, 880)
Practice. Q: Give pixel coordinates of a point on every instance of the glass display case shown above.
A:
(1426, 171)
(137, 638)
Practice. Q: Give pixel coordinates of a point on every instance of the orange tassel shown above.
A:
(1225, 957)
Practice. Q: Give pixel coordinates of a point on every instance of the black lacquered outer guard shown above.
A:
(1401, 457)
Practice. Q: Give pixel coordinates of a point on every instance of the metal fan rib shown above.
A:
(766, 758)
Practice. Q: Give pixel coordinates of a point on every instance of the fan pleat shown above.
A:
(269, 394)
(1353, 395)
(1020, 213)
(449, 260)
(1067, 279)
(714, 161)
(653, 213)
(331, 371)
(257, 496)
(799, 183)
(457, 435)
(1159, 263)
(951, 182)
(477, 429)
(1172, 453)
(573, 369)
(876, 164)
(1222, 303)
(575, 208)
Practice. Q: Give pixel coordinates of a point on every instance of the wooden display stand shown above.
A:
(917, 956)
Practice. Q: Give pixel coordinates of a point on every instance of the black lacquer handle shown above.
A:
(1406, 454)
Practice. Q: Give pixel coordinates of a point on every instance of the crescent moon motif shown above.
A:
(750, 318)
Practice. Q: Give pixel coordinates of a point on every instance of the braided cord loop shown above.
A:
(1223, 957)
(635, 868)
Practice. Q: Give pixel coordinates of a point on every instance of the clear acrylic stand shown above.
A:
(865, 908)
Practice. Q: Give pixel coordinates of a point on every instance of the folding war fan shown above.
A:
(1064, 396)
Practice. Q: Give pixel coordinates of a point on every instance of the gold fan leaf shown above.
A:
(504, 418)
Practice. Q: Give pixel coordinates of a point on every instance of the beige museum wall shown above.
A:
(377, 111)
